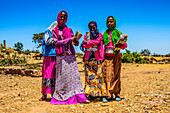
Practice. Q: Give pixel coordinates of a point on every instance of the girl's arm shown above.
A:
(95, 42)
(85, 45)
(48, 38)
(58, 42)
(72, 35)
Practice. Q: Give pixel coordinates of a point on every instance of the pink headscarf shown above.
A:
(66, 32)
(59, 19)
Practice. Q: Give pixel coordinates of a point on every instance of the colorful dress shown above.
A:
(49, 62)
(112, 61)
(94, 79)
(68, 86)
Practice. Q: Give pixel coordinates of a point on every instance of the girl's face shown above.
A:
(92, 27)
(63, 17)
(110, 22)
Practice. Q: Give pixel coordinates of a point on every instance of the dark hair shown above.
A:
(92, 22)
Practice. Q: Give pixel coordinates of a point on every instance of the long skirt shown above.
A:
(68, 87)
(48, 75)
(94, 79)
(111, 70)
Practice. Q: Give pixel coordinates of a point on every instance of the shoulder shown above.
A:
(105, 32)
(53, 30)
(100, 34)
(85, 36)
(119, 32)
(70, 30)
(47, 32)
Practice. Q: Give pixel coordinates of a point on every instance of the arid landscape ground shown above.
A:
(145, 88)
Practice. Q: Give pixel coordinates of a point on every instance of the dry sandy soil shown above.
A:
(145, 88)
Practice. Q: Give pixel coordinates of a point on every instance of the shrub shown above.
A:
(9, 61)
(129, 57)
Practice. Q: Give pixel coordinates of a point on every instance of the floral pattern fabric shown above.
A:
(94, 79)
(48, 83)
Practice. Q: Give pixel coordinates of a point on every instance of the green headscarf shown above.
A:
(115, 34)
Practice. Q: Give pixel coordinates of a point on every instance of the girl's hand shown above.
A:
(84, 42)
(118, 45)
(73, 39)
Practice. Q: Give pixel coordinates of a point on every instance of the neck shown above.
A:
(60, 26)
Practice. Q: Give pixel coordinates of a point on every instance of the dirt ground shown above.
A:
(145, 88)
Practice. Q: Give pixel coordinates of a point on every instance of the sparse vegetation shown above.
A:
(37, 39)
(145, 52)
(133, 57)
(27, 52)
(18, 46)
(12, 61)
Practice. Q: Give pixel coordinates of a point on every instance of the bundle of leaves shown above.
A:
(133, 57)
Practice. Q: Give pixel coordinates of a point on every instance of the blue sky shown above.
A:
(147, 22)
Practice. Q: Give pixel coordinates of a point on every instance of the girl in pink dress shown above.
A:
(49, 63)
(68, 86)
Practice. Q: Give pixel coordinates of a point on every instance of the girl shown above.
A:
(94, 54)
(112, 62)
(49, 63)
(68, 88)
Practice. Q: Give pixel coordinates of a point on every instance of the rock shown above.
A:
(148, 108)
(33, 73)
(73, 107)
(161, 62)
(124, 76)
(168, 93)
(138, 94)
(20, 71)
(167, 101)
(81, 105)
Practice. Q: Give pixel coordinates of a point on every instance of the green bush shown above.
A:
(27, 52)
(129, 57)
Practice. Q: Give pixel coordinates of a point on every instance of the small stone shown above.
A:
(81, 105)
(168, 93)
(73, 107)
(143, 95)
(167, 101)
(138, 94)
(148, 108)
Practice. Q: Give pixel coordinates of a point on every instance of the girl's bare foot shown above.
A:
(42, 98)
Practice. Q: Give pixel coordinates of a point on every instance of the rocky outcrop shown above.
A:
(21, 71)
